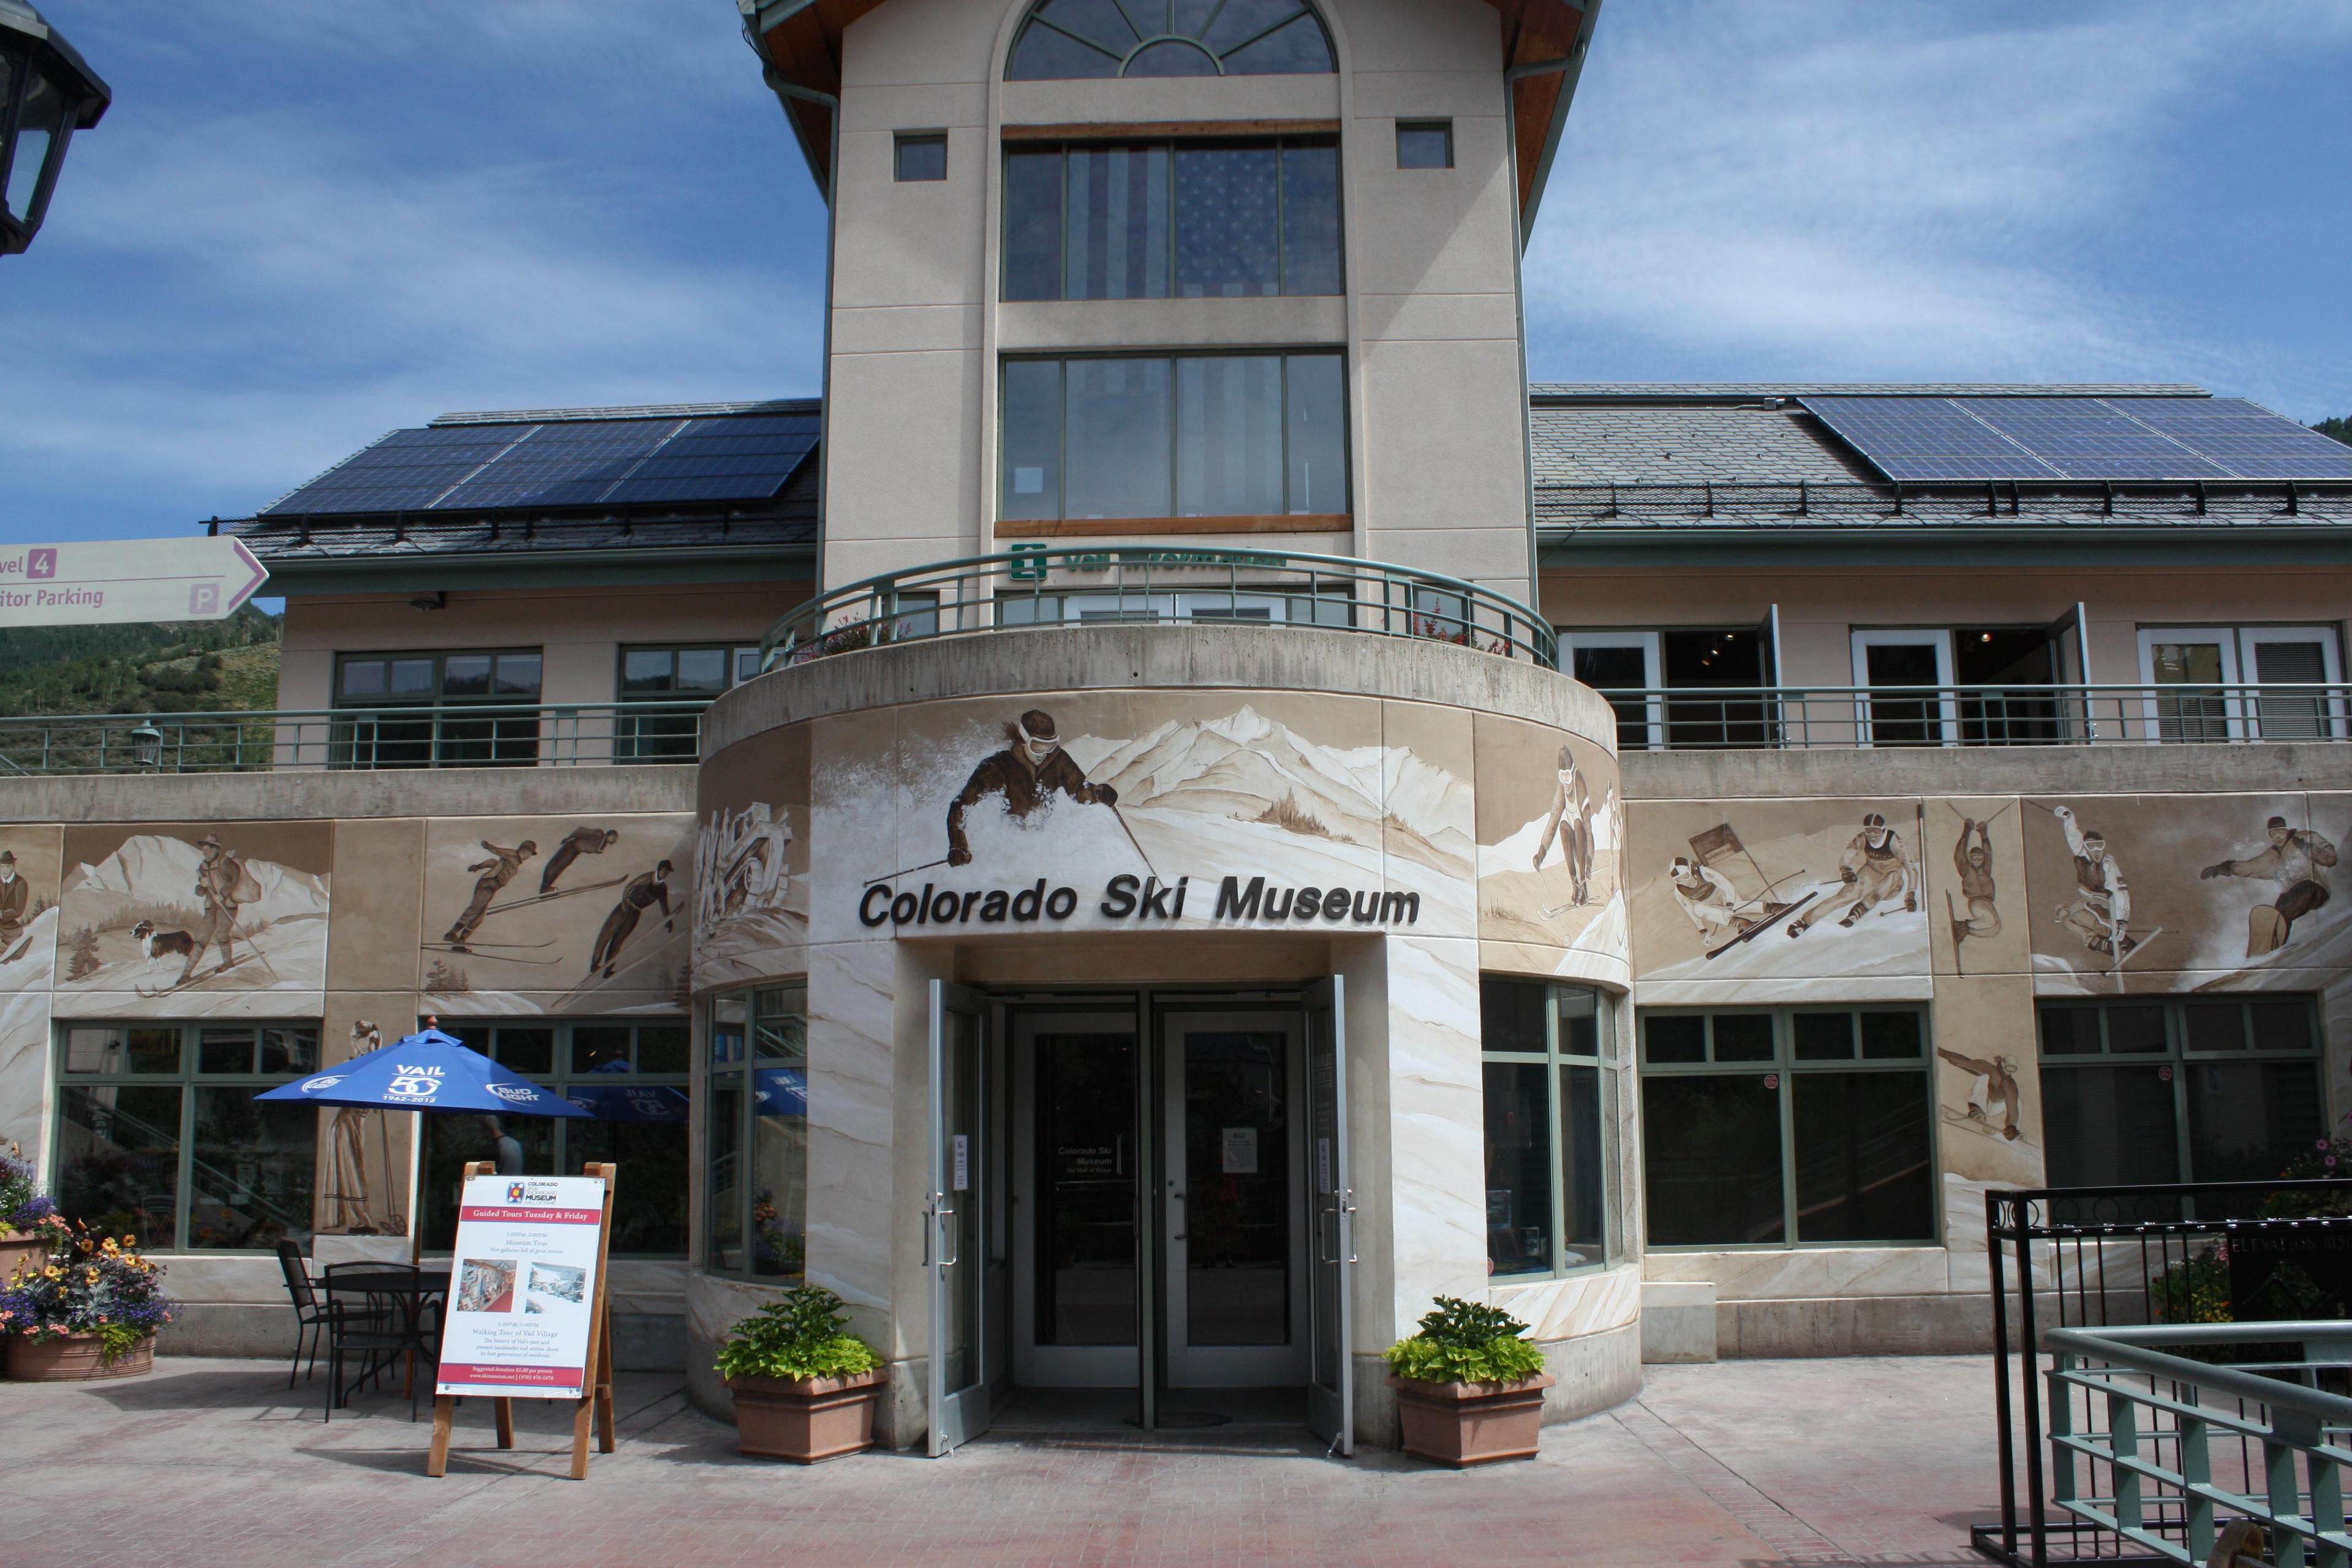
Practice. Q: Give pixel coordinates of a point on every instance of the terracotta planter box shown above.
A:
(73, 1358)
(805, 1419)
(1461, 1424)
(19, 1248)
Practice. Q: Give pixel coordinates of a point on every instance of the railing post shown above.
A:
(2326, 1507)
(2030, 1347)
(2285, 1498)
(2196, 1470)
(2123, 1443)
(2002, 1415)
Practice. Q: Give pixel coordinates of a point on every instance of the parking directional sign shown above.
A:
(87, 584)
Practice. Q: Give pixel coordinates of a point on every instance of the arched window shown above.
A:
(1069, 39)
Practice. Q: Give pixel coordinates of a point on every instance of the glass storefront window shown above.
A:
(158, 1135)
(1765, 1127)
(758, 1083)
(631, 1077)
(1549, 1071)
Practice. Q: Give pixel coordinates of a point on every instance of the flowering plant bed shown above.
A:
(90, 1309)
(23, 1213)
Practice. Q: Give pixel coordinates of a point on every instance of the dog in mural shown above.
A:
(2294, 858)
(155, 943)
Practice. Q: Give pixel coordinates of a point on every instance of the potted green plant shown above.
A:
(24, 1231)
(90, 1310)
(805, 1388)
(1469, 1387)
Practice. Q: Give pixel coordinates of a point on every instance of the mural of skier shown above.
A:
(15, 902)
(740, 860)
(645, 890)
(496, 873)
(1995, 1084)
(225, 886)
(1874, 866)
(1025, 775)
(2294, 858)
(1973, 858)
(1570, 823)
(1707, 897)
(578, 842)
(2101, 910)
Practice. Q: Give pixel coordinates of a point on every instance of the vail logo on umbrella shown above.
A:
(414, 1083)
(322, 1083)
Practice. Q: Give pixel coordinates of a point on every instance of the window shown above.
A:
(632, 1077)
(2194, 678)
(1639, 672)
(158, 1135)
(1261, 603)
(1549, 1073)
(1196, 436)
(1789, 1126)
(1160, 220)
(757, 1200)
(2204, 1088)
(1977, 671)
(446, 683)
(1424, 144)
(1066, 40)
(683, 680)
(922, 155)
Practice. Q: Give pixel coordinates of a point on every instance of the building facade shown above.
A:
(1183, 810)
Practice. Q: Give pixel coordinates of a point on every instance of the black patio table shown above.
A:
(362, 1329)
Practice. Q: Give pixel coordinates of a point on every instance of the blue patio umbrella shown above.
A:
(425, 1071)
(623, 1100)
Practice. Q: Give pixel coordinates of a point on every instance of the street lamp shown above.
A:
(147, 746)
(47, 93)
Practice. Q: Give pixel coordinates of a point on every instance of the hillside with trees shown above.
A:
(201, 667)
(2339, 429)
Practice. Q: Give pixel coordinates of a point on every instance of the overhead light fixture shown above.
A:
(436, 600)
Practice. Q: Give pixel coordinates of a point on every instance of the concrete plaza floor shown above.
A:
(1879, 1461)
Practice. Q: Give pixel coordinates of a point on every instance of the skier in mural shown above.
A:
(645, 890)
(1874, 866)
(496, 873)
(224, 884)
(2101, 912)
(1996, 1084)
(578, 842)
(746, 862)
(350, 1196)
(1974, 863)
(15, 899)
(1706, 896)
(1571, 824)
(2295, 858)
(1030, 768)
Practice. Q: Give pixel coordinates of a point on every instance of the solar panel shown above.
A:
(744, 459)
(405, 471)
(1930, 439)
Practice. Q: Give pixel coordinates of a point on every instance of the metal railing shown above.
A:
(1063, 586)
(1796, 717)
(2163, 1452)
(519, 735)
(2238, 1256)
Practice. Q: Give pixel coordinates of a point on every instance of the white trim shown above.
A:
(1653, 671)
(1947, 722)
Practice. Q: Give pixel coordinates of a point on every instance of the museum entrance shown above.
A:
(1134, 1187)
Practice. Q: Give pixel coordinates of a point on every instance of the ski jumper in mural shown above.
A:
(643, 892)
(224, 884)
(578, 842)
(1874, 865)
(1706, 896)
(1571, 824)
(1032, 766)
(496, 873)
(2296, 859)
(1996, 1084)
(1974, 863)
(15, 899)
(2101, 911)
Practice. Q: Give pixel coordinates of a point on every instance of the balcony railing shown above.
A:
(1796, 717)
(549, 734)
(1066, 586)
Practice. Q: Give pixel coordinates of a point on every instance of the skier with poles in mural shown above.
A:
(2295, 858)
(1025, 775)
(2101, 912)
(1571, 824)
(224, 884)
(1974, 863)
(1875, 868)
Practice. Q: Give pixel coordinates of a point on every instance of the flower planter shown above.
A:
(1463, 1424)
(806, 1419)
(21, 1248)
(73, 1358)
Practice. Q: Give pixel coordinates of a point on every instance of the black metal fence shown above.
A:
(2097, 1257)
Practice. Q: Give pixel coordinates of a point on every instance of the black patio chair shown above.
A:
(365, 1325)
(311, 1314)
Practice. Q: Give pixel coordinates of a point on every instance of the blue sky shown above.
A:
(302, 225)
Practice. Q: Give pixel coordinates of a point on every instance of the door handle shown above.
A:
(1175, 1195)
(947, 1213)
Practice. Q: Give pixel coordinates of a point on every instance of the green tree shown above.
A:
(2339, 429)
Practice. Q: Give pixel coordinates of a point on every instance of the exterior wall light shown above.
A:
(47, 93)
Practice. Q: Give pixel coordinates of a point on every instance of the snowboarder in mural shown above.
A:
(1026, 773)
(495, 873)
(1571, 824)
(1996, 1084)
(1974, 863)
(2102, 908)
(224, 884)
(1707, 897)
(578, 842)
(1874, 866)
(643, 891)
(15, 901)
(2296, 859)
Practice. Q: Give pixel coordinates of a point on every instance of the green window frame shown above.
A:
(409, 708)
(1788, 1127)
(755, 1105)
(157, 1134)
(682, 678)
(585, 1060)
(2149, 1088)
(1548, 1068)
